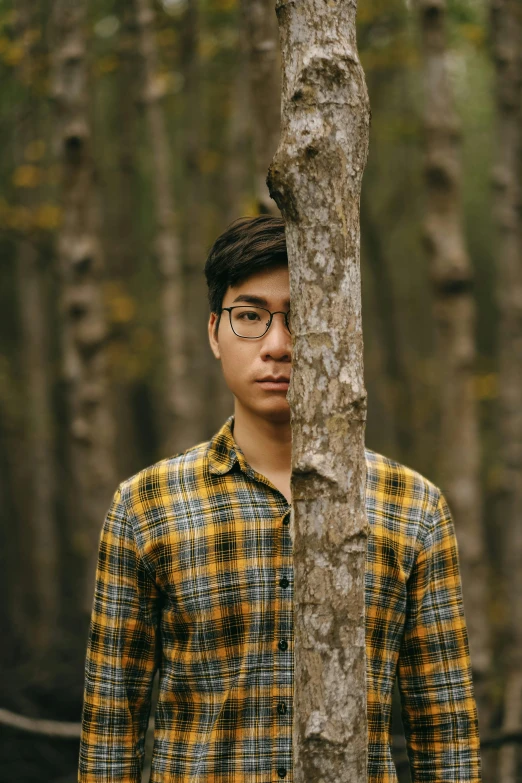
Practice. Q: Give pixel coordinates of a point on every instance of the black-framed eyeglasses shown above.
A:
(252, 322)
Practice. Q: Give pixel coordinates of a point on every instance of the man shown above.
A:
(195, 578)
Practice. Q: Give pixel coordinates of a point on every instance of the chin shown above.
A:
(274, 410)
(276, 413)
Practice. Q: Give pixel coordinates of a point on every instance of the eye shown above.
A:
(246, 315)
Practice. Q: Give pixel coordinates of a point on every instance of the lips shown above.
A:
(275, 383)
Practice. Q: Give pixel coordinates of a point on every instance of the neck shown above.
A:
(267, 445)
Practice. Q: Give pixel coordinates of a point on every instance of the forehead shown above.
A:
(268, 286)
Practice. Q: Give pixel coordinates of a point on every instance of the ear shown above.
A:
(212, 337)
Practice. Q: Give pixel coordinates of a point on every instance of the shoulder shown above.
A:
(157, 485)
(393, 480)
(399, 496)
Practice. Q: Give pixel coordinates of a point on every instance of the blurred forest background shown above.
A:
(132, 132)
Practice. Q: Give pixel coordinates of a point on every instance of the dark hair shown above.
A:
(248, 245)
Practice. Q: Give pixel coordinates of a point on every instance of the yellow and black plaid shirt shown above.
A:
(195, 577)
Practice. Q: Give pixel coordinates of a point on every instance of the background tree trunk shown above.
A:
(506, 24)
(201, 357)
(315, 178)
(177, 423)
(264, 69)
(123, 243)
(36, 359)
(454, 308)
(234, 184)
(84, 326)
(395, 389)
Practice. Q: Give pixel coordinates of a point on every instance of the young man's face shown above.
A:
(246, 362)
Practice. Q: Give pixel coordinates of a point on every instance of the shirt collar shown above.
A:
(223, 452)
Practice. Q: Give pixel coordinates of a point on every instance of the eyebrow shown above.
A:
(255, 300)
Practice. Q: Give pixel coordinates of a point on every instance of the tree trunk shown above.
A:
(506, 24)
(173, 313)
(230, 195)
(260, 25)
(315, 178)
(396, 387)
(84, 327)
(239, 132)
(36, 361)
(41, 526)
(201, 357)
(454, 306)
(123, 242)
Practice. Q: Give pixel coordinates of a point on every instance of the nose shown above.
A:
(277, 342)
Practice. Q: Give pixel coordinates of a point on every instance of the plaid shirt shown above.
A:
(195, 577)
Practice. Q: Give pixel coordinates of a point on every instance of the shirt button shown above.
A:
(283, 644)
(281, 708)
(281, 771)
(284, 582)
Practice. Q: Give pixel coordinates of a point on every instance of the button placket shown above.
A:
(283, 658)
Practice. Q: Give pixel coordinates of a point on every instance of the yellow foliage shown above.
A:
(208, 161)
(369, 11)
(8, 18)
(474, 33)
(166, 37)
(47, 217)
(224, 5)
(122, 307)
(249, 206)
(13, 53)
(35, 150)
(167, 82)
(107, 64)
(486, 386)
(399, 53)
(27, 176)
(208, 46)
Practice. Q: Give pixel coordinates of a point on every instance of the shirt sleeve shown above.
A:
(434, 669)
(122, 656)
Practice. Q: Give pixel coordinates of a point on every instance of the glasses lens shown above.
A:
(249, 321)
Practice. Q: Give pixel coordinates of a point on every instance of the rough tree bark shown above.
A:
(506, 25)
(34, 321)
(315, 178)
(80, 268)
(177, 428)
(454, 307)
(260, 24)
